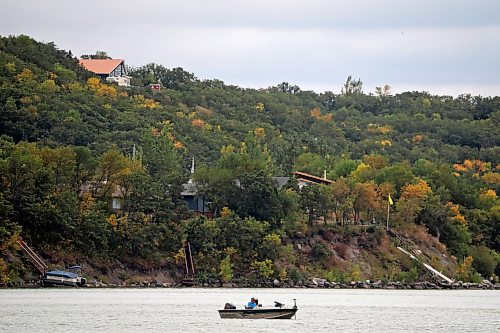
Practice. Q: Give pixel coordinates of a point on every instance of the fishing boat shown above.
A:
(279, 311)
(63, 278)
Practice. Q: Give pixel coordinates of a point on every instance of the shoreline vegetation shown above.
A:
(272, 184)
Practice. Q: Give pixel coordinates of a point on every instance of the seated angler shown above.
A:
(252, 304)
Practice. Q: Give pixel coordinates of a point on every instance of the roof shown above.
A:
(311, 178)
(68, 275)
(101, 66)
(281, 181)
(92, 186)
(189, 189)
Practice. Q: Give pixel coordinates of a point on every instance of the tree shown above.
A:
(250, 237)
(412, 199)
(367, 200)
(457, 238)
(384, 91)
(329, 100)
(435, 215)
(310, 163)
(256, 195)
(112, 171)
(242, 181)
(177, 78)
(97, 55)
(288, 88)
(344, 167)
(352, 87)
(398, 174)
(314, 202)
(226, 269)
(340, 196)
(154, 203)
(485, 261)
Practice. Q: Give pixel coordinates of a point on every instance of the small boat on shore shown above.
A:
(62, 278)
(279, 311)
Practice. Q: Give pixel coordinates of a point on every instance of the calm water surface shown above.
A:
(194, 310)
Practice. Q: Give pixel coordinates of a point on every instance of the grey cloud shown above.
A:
(324, 14)
(292, 14)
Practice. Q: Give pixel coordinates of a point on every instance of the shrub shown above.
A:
(341, 249)
(320, 252)
(271, 245)
(409, 276)
(484, 261)
(336, 275)
(4, 276)
(226, 269)
(295, 275)
(263, 268)
(123, 276)
(465, 272)
(287, 254)
(355, 273)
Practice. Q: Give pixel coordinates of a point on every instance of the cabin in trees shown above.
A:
(113, 193)
(110, 70)
(304, 179)
(196, 203)
(199, 205)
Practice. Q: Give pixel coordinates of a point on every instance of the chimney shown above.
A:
(190, 181)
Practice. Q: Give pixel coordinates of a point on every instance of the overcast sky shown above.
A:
(440, 46)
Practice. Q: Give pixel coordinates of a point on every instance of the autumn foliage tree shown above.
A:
(412, 199)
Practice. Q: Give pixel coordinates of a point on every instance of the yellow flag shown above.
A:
(390, 200)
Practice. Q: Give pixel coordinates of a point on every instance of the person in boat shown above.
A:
(252, 304)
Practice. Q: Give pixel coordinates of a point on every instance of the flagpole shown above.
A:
(388, 210)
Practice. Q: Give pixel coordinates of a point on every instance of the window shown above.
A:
(117, 203)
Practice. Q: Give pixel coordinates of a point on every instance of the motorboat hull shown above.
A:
(259, 313)
(61, 278)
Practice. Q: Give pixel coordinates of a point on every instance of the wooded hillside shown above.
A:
(66, 149)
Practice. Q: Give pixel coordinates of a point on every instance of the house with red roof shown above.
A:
(111, 70)
(304, 179)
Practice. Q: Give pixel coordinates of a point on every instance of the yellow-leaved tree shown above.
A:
(411, 200)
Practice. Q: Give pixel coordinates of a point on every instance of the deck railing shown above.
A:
(33, 257)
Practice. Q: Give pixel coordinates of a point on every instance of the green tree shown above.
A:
(314, 202)
(485, 261)
(344, 167)
(310, 163)
(226, 269)
(352, 87)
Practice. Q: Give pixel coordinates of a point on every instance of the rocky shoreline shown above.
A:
(315, 283)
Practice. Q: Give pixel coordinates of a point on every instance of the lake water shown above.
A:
(195, 310)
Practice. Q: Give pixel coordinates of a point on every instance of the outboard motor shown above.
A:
(229, 306)
(82, 282)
